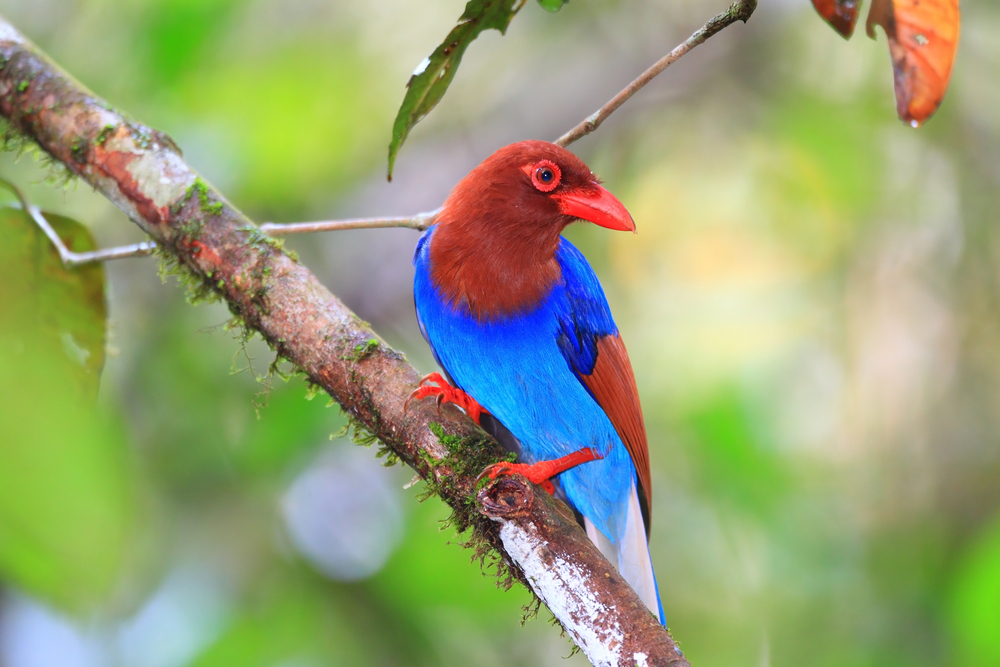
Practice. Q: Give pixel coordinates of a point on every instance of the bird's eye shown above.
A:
(545, 176)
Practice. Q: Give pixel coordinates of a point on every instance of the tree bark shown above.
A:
(222, 254)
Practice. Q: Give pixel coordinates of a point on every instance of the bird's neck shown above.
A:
(496, 273)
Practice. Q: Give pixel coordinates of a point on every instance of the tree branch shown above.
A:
(740, 10)
(222, 254)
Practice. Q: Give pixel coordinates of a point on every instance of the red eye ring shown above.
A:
(545, 176)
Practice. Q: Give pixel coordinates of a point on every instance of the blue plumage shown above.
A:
(524, 370)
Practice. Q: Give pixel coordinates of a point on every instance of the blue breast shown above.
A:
(522, 369)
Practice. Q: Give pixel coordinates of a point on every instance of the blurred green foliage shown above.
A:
(974, 611)
(64, 489)
(176, 36)
(64, 493)
(810, 306)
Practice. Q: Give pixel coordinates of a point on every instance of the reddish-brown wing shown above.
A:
(613, 385)
(841, 14)
(923, 38)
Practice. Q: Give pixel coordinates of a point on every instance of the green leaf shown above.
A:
(433, 76)
(64, 491)
(552, 5)
(64, 307)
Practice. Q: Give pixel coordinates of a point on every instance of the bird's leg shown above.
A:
(445, 394)
(541, 472)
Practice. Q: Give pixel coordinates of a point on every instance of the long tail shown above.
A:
(632, 555)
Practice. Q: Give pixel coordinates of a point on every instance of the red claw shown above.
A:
(540, 473)
(445, 393)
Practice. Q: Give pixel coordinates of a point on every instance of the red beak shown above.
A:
(595, 204)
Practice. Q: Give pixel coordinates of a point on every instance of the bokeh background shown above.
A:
(811, 307)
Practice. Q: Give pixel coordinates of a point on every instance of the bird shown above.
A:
(518, 321)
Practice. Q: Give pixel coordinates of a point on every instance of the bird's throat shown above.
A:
(493, 277)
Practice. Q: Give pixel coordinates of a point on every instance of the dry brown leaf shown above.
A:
(841, 14)
(923, 38)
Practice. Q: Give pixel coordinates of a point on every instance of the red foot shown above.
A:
(539, 473)
(445, 394)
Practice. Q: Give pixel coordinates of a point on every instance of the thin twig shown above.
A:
(73, 259)
(420, 222)
(738, 11)
(69, 258)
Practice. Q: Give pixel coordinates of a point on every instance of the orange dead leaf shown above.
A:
(923, 38)
(841, 14)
